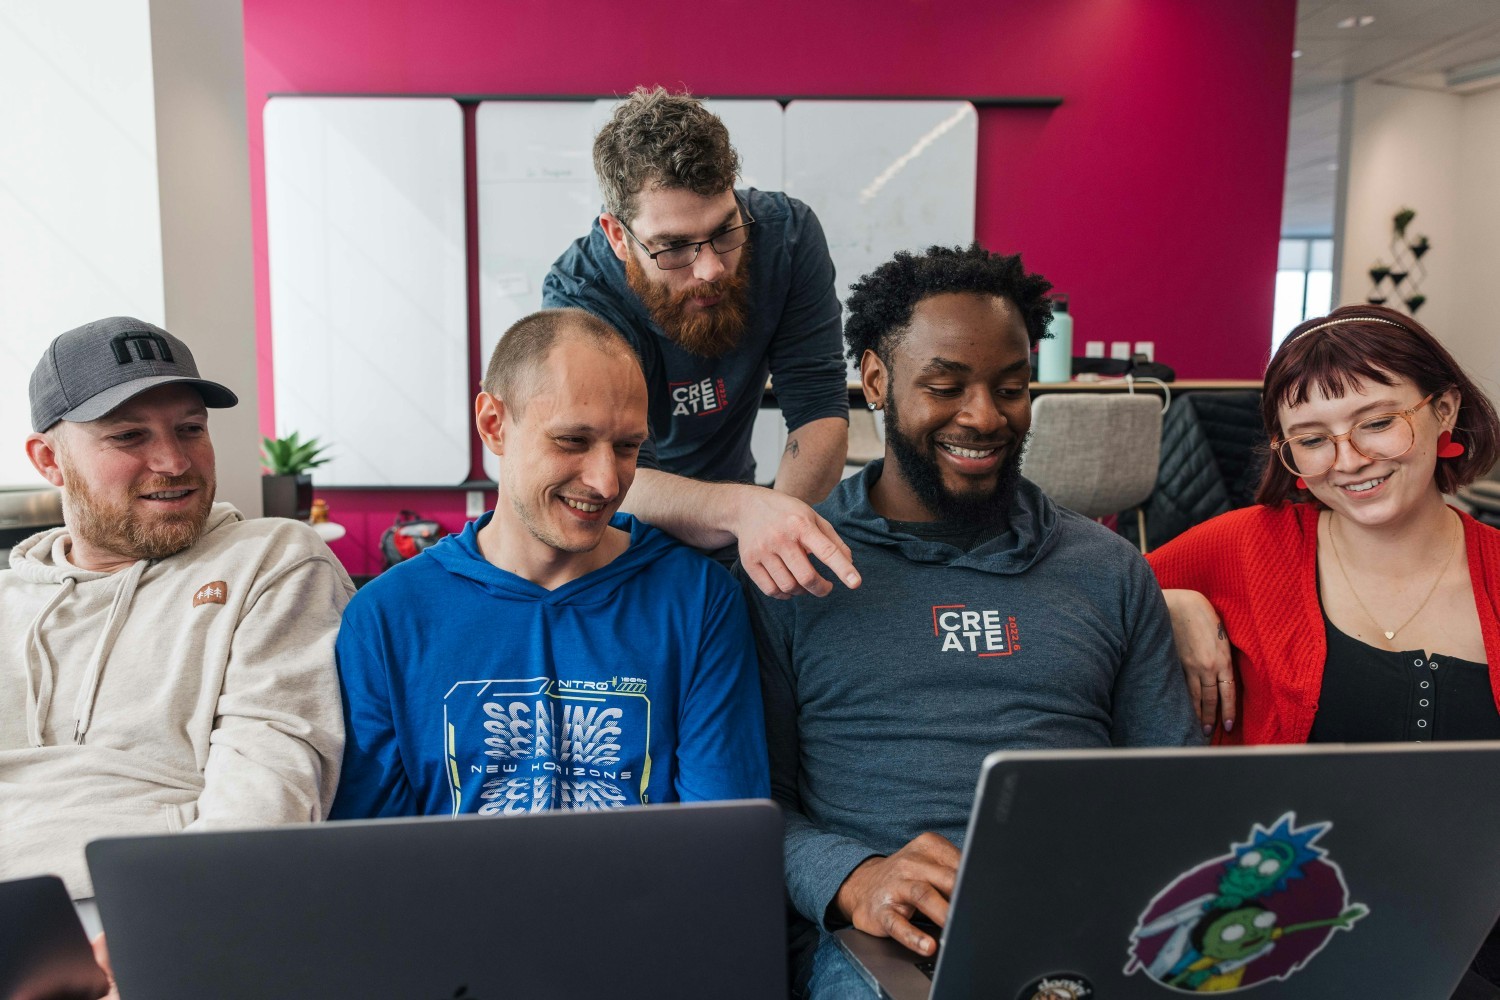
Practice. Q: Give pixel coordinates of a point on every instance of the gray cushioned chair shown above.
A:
(1095, 452)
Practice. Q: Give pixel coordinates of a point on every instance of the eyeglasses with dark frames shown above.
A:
(684, 254)
(1378, 438)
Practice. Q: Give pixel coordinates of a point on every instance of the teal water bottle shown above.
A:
(1055, 353)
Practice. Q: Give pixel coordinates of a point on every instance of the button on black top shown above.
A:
(1372, 694)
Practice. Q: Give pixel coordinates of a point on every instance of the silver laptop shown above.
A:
(657, 901)
(1307, 871)
(43, 951)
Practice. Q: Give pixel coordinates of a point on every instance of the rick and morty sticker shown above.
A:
(1259, 913)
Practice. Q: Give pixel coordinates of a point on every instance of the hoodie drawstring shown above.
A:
(40, 672)
(119, 610)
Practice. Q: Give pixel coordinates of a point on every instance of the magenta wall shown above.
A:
(1152, 195)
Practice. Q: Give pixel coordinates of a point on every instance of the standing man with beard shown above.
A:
(165, 664)
(989, 618)
(715, 288)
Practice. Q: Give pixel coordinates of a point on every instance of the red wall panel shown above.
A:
(1152, 195)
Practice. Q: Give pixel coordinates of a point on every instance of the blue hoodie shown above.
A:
(470, 689)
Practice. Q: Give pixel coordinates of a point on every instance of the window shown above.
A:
(1304, 284)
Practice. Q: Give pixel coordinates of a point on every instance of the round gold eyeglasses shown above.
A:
(1378, 438)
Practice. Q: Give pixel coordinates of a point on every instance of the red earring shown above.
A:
(1301, 483)
(1447, 447)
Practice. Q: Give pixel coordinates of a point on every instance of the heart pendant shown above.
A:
(1390, 635)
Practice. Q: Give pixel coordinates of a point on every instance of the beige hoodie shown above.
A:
(192, 692)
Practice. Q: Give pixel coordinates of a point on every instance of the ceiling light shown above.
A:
(1362, 21)
(1296, 53)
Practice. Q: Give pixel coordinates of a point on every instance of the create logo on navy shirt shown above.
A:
(698, 399)
(983, 633)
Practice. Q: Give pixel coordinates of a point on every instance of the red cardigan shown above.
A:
(1258, 566)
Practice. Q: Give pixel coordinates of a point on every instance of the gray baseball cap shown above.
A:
(89, 371)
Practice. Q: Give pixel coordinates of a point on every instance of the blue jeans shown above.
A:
(833, 978)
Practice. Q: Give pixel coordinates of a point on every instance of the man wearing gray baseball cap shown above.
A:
(165, 664)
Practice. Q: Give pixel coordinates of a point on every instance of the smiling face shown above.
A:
(957, 409)
(701, 307)
(137, 483)
(1370, 491)
(568, 454)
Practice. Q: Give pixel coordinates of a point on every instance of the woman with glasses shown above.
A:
(1350, 603)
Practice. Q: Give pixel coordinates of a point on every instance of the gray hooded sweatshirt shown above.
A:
(882, 702)
(192, 692)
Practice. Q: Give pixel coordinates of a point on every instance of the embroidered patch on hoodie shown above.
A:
(211, 593)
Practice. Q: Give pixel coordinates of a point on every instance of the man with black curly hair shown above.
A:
(989, 617)
(715, 288)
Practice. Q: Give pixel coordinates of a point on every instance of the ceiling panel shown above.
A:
(1406, 43)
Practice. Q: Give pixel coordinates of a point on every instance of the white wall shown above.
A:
(208, 267)
(1438, 154)
(1475, 332)
(125, 190)
(80, 236)
(1403, 153)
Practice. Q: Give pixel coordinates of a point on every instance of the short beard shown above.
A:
(543, 534)
(919, 469)
(118, 528)
(708, 333)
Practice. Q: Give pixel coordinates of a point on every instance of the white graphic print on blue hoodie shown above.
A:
(471, 689)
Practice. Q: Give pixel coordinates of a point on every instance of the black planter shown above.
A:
(287, 496)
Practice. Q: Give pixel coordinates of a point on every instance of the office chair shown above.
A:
(1095, 452)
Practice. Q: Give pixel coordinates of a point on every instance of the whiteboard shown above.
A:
(538, 193)
(883, 176)
(369, 311)
(80, 216)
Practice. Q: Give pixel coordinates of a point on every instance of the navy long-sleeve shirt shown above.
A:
(702, 410)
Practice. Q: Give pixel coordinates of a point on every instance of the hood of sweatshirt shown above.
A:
(459, 554)
(43, 558)
(1030, 528)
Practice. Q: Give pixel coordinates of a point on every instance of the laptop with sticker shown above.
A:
(1301, 871)
(657, 901)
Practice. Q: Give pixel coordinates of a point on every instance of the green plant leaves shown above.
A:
(291, 456)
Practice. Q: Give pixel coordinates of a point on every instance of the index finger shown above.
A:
(808, 579)
(932, 900)
(831, 551)
(899, 928)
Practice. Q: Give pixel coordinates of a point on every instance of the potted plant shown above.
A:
(286, 488)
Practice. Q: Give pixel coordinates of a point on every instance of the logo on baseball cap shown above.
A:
(89, 371)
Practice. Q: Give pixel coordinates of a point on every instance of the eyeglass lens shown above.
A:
(1388, 435)
(675, 257)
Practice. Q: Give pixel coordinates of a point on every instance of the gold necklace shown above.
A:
(1391, 634)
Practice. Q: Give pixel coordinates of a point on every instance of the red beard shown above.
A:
(708, 333)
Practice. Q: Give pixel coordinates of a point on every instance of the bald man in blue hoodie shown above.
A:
(556, 654)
